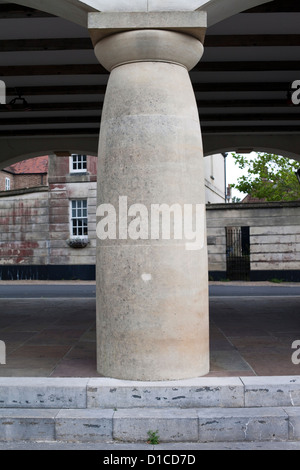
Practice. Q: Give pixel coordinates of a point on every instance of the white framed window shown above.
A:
(79, 218)
(7, 184)
(78, 164)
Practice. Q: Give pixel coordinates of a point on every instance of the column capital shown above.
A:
(193, 23)
(124, 38)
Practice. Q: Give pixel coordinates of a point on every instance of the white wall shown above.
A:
(214, 179)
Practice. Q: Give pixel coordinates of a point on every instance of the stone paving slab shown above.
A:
(42, 393)
(272, 391)
(193, 393)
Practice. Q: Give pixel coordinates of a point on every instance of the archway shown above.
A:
(87, 124)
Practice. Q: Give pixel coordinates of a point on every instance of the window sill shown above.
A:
(78, 243)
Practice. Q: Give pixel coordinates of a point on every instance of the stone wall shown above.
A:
(35, 228)
(34, 234)
(214, 171)
(24, 228)
(274, 238)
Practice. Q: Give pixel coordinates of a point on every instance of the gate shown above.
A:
(238, 253)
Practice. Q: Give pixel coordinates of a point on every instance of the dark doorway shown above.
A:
(238, 253)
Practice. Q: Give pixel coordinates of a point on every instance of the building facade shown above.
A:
(30, 173)
(49, 232)
(45, 228)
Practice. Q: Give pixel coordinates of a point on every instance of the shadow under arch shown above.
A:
(25, 148)
(285, 145)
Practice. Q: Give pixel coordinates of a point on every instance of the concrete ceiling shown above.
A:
(241, 84)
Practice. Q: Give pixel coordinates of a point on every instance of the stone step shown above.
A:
(132, 425)
(96, 393)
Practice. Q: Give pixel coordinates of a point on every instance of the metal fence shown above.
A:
(238, 253)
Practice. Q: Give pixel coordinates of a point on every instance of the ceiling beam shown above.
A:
(205, 130)
(251, 130)
(252, 40)
(48, 132)
(28, 121)
(202, 103)
(36, 107)
(241, 86)
(39, 70)
(36, 45)
(67, 44)
(208, 118)
(249, 117)
(247, 66)
(97, 69)
(101, 89)
(56, 90)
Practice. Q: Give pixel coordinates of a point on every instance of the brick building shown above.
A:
(43, 228)
(49, 232)
(26, 174)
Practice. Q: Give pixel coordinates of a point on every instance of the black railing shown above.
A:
(238, 253)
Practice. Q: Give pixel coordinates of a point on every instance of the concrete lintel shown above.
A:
(105, 24)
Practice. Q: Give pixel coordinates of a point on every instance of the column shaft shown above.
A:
(152, 294)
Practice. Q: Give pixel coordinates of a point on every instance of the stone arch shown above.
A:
(23, 149)
(287, 146)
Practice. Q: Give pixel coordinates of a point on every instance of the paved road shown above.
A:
(254, 291)
(23, 291)
(38, 291)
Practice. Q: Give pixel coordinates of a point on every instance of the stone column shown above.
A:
(152, 292)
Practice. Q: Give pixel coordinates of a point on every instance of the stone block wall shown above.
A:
(274, 238)
(34, 234)
(35, 228)
(24, 228)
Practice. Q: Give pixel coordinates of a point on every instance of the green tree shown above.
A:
(270, 177)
